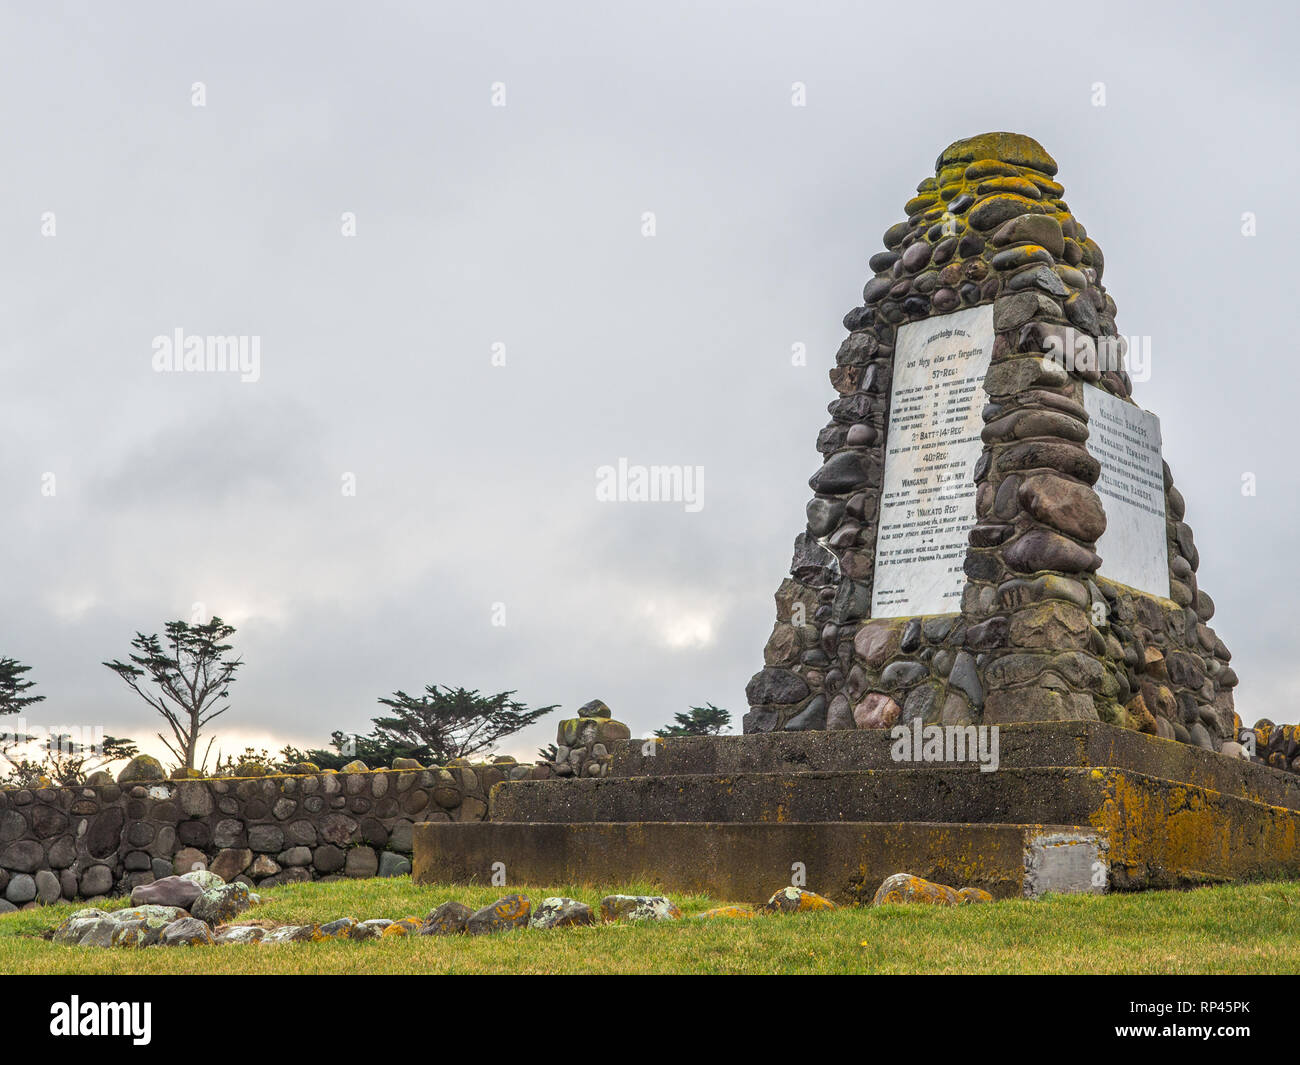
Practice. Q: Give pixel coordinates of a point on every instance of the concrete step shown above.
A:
(1155, 833)
(845, 860)
(946, 794)
(1056, 743)
(733, 815)
(1159, 833)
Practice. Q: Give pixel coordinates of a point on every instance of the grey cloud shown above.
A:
(522, 226)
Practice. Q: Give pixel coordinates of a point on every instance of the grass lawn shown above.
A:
(1251, 928)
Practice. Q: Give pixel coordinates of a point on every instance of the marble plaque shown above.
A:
(927, 501)
(1125, 439)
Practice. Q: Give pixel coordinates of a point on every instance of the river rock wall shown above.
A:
(88, 842)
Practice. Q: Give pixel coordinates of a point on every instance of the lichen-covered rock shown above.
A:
(187, 932)
(371, 929)
(407, 926)
(610, 731)
(98, 932)
(205, 878)
(355, 766)
(73, 930)
(725, 911)
(797, 900)
(449, 919)
(238, 933)
(969, 895)
(576, 731)
(141, 932)
(300, 933)
(560, 912)
(149, 912)
(142, 768)
(595, 708)
(906, 888)
(340, 929)
(221, 905)
(638, 908)
(82, 914)
(510, 912)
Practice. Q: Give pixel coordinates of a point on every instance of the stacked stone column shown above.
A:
(1040, 636)
(1033, 547)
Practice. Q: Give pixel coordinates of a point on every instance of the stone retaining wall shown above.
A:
(88, 842)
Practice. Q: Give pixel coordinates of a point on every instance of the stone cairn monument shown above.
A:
(993, 536)
(996, 558)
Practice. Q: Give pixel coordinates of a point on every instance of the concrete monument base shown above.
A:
(1071, 807)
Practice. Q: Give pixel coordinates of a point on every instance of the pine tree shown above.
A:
(13, 687)
(706, 720)
(439, 726)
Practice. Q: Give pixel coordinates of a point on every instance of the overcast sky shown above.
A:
(522, 225)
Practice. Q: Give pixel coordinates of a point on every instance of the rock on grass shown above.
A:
(725, 911)
(638, 908)
(449, 919)
(797, 900)
(512, 911)
(187, 932)
(220, 905)
(906, 888)
(560, 912)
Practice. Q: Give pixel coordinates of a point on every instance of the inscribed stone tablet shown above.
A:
(1125, 439)
(927, 503)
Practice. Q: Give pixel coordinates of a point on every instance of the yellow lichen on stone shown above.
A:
(903, 888)
(512, 908)
(340, 929)
(1013, 148)
(797, 900)
(726, 911)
